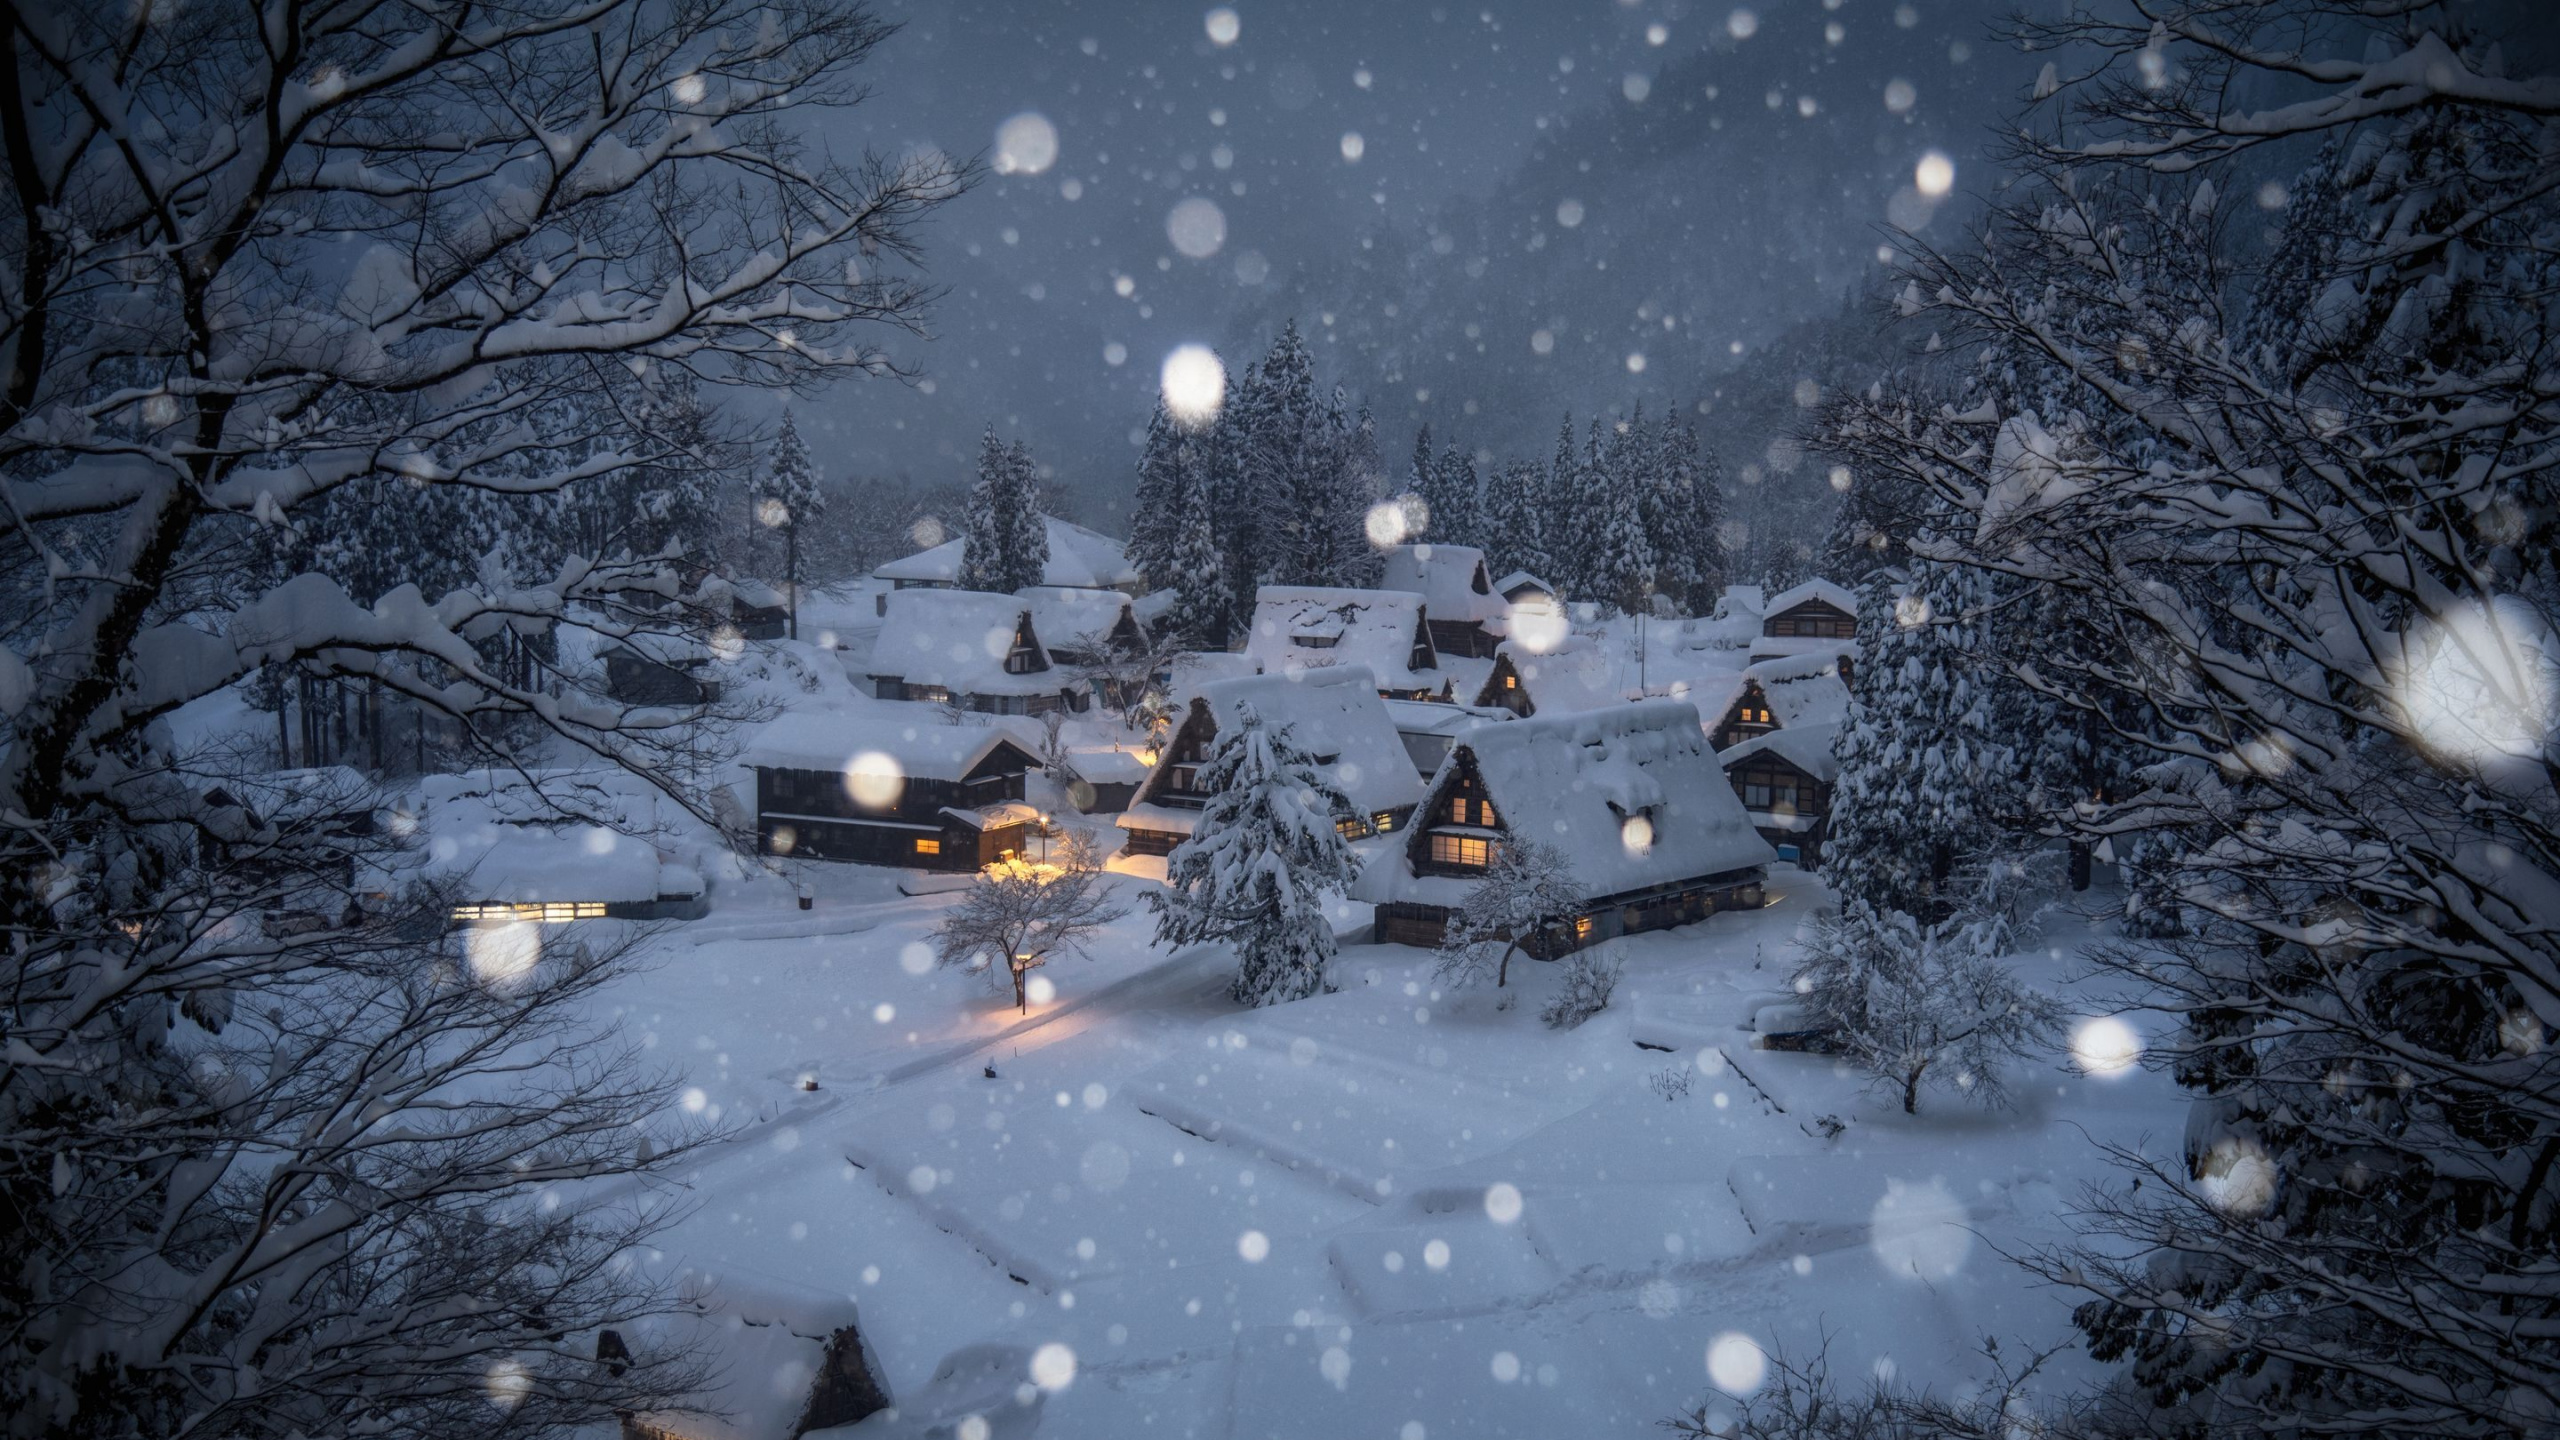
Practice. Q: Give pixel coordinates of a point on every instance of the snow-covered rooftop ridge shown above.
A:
(958, 639)
(830, 739)
(522, 864)
(1433, 717)
(1803, 689)
(1332, 711)
(1312, 627)
(1807, 747)
(1838, 597)
(1065, 614)
(1575, 781)
(1518, 578)
(1447, 577)
(1087, 559)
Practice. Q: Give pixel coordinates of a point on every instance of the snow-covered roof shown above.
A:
(1582, 671)
(1803, 689)
(1432, 717)
(1451, 579)
(1521, 580)
(1806, 747)
(1067, 615)
(958, 639)
(1574, 781)
(1312, 627)
(521, 864)
(830, 739)
(1108, 765)
(1079, 557)
(1749, 600)
(1838, 597)
(1335, 714)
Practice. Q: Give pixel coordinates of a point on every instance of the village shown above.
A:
(950, 1196)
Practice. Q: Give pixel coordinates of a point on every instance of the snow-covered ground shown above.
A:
(1390, 1211)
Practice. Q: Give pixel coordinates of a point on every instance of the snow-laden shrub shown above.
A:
(1590, 978)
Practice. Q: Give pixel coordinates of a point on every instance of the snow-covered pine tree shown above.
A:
(1569, 537)
(1920, 773)
(1619, 568)
(1687, 519)
(2322, 560)
(793, 503)
(1419, 478)
(1025, 530)
(1236, 508)
(1457, 506)
(982, 526)
(299, 1180)
(1262, 867)
(1516, 520)
(1156, 510)
(1204, 607)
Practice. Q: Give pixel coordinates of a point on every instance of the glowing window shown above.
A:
(1581, 927)
(1465, 850)
(928, 847)
(1510, 682)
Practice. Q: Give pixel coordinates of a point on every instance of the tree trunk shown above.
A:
(1021, 989)
(791, 575)
(1911, 1088)
(284, 728)
(1502, 967)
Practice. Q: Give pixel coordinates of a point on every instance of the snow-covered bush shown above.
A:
(1258, 870)
(1527, 886)
(1590, 978)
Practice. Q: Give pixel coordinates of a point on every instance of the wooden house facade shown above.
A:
(944, 797)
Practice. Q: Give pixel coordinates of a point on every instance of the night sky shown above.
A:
(1568, 203)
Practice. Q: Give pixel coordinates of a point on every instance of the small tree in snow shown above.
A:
(1528, 884)
(1590, 978)
(1021, 915)
(1913, 1003)
(1257, 871)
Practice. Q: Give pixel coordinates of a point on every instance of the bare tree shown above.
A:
(1527, 887)
(273, 1150)
(1022, 914)
(1913, 1002)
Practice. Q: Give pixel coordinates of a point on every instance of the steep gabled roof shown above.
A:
(1803, 689)
(831, 739)
(1333, 712)
(1806, 747)
(1084, 558)
(1838, 597)
(958, 639)
(1447, 578)
(1312, 627)
(1575, 781)
(1066, 614)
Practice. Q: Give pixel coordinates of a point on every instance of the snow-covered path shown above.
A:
(1390, 1204)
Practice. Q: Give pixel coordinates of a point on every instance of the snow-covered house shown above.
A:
(1078, 558)
(572, 872)
(1103, 779)
(1521, 587)
(1081, 624)
(1577, 670)
(1466, 613)
(1313, 627)
(1784, 693)
(758, 610)
(1334, 713)
(1429, 728)
(652, 668)
(847, 785)
(1784, 779)
(1632, 796)
(968, 648)
(1815, 618)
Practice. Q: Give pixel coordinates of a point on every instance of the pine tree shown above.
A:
(1025, 530)
(1687, 518)
(1156, 513)
(1258, 870)
(1457, 510)
(1419, 475)
(1919, 771)
(1516, 521)
(796, 502)
(1619, 567)
(1568, 536)
(1204, 604)
(982, 528)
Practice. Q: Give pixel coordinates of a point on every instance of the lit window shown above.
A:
(1581, 927)
(551, 912)
(928, 847)
(1465, 850)
(1383, 821)
(1510, 682)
